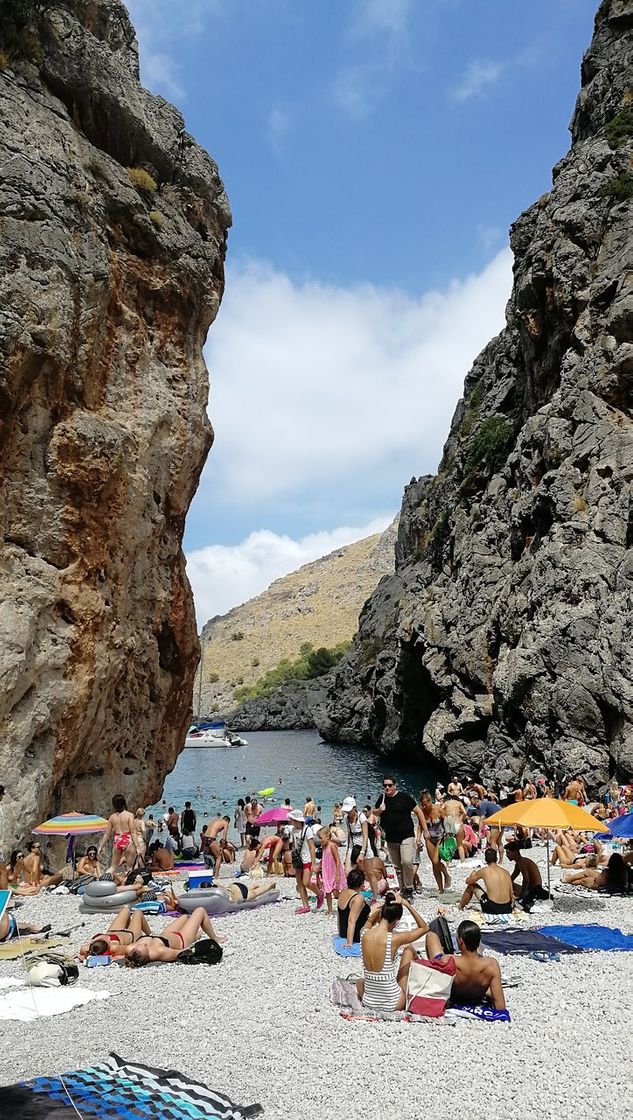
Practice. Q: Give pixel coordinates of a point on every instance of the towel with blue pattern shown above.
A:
(344, 950)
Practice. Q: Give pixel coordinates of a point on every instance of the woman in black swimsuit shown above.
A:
(352, 909)
(124, 930)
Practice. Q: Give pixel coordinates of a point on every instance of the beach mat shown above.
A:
(119, 1090)
(588, 937)
(343, 950)
(11, 950)
(525, 942)
(344, 996)
(26, 1005)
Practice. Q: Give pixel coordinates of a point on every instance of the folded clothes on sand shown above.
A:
(344, 950)
(115, 1089)
(589, 937)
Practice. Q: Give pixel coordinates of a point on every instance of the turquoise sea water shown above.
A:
(306, 766)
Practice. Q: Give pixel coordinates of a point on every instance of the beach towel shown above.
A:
(26, 1005)
(119, 1090)
(21, 945)
(344, 996)
(344, 950)
(589, 937)
(481, 1012)
(524, 941)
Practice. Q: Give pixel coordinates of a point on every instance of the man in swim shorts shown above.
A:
(531, 887)
(496, 895)
(477, 978)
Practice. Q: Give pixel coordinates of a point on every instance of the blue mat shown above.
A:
(344, 950)
(591, 937)
(119, 1090)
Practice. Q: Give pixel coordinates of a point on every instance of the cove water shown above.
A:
(297, 763)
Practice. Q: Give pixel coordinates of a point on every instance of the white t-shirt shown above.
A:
(356, 829)
(301, 836)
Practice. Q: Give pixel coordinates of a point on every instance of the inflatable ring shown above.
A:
(107, 904)
(216, 903)
(101, 888)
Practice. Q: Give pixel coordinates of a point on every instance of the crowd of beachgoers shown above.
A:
(364, 865)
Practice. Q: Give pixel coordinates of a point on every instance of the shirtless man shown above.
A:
(218, 832)
(252, 810)
(497, 894)
(531, 887)
(476, 977)
(575, 791)
(162, 859)
(455, 788)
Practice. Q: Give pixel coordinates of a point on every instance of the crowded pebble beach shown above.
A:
(261, 1027)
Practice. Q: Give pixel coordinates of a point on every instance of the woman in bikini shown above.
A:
(163, 948)
(434, 817)
(89, 863)
(139, 834)
(124, 930)
(121, 828)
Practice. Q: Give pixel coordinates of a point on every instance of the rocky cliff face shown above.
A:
(112, 240)
(319, 603)
(503, 643)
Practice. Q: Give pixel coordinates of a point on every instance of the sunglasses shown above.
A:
(387, 785)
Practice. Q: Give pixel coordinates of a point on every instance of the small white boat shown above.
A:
(217, 735)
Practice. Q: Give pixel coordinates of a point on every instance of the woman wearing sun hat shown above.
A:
(303, 852)
(362, 851)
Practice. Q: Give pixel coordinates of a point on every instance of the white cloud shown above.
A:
(158, 23)
(278, 124)
(480, 75)
(352, 91)
(380, 17)
(224, 576)
(319, 390)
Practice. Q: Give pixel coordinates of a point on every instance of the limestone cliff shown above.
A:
(112, 240)
(503, 643)
(318, 603)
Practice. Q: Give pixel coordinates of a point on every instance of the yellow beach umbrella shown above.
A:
(546, 812)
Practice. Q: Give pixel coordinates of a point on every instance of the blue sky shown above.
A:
(374, 153)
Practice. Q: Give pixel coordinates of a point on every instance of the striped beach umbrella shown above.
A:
(72, 824)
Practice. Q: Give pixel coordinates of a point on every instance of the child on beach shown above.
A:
(332, 871)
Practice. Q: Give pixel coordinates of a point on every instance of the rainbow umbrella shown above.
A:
(71, 825)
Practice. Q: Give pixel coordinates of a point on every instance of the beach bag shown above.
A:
(429, 986)
(297, 862)
(447, 848)
(50, 969)
(206, 951)
(441, 927)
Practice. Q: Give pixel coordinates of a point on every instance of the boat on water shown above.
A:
(212, 735)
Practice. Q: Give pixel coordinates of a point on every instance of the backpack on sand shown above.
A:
(206, 951)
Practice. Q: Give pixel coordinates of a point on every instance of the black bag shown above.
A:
(441, 927)
(355, 853)
(206, 951)
(295, 854)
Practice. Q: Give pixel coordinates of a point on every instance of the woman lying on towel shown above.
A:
(163, 948)
(384, 983)
(614, 877)
(124, 930)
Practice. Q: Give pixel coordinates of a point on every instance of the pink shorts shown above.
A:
(122, 841)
